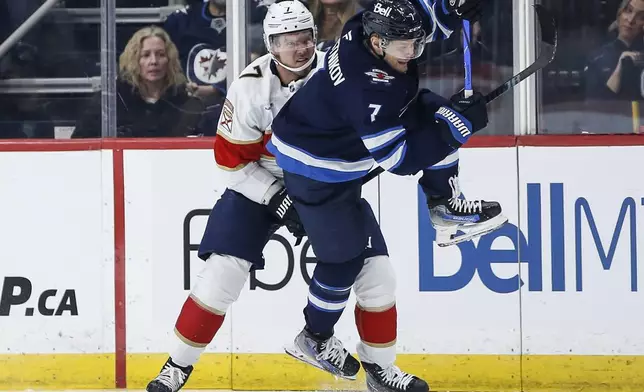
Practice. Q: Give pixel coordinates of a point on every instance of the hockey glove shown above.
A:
(281, 207)
(462, 119)
(464, 9)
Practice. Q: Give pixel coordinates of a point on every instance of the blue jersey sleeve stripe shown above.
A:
(402, 159)
(294, 166)
(278, 147)
(444, 7)
(383, 132)
(395, 157)
(430, 10)
(426, 4)
(449, 161)
(382, 139)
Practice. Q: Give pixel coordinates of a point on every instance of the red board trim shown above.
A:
(209, 142)
(119, 270)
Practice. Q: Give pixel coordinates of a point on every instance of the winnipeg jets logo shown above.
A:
(209, 66)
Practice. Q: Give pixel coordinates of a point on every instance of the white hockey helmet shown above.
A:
(288, 17)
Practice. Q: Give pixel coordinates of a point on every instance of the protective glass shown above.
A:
(407, 49)
(292, 42)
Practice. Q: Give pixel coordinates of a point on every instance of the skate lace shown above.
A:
(172, 377)
(462, 205)
(395, 377)
(333, 350)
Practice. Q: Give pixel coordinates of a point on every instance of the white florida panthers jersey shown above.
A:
(244, 128)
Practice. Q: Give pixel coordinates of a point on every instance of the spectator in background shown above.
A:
(330, 16)
(615, 71)
(199, 31)
(152, 100)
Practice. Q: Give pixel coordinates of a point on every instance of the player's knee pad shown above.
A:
(221, 281)
(375, 286)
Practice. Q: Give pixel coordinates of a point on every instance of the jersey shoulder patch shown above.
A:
(224, 128)
(379, 77)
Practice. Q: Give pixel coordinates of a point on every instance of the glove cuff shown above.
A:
(456, 125)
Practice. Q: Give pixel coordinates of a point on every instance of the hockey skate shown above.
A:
(473, 218)
(392, 379)
(329, 355)
(171, 378)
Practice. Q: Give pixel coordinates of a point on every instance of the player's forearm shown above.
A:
(406, 151)
(425, 148)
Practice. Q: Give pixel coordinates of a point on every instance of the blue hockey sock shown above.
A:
(435, 180)
(328, 294)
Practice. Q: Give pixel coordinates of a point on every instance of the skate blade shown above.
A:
(492, 224)
(293, 351)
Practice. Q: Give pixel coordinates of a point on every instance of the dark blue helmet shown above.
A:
(393, 20)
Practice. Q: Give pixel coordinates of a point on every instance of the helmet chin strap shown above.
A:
(298, 69)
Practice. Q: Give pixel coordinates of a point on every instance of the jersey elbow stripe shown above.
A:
(231, 156)
(293, 160)
(395, 158)
(230, 140)
(383, 139)
(232, 169)
(325, 163)
(449, 161)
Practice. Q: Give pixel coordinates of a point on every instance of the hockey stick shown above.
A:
(467, 58)
(547, 51)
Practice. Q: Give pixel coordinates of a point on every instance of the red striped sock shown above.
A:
(377, 328)
(197, 324)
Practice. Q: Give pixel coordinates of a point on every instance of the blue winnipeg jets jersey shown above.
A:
(353, 114)
(201, 41)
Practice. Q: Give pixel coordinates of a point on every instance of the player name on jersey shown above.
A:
(335, 72)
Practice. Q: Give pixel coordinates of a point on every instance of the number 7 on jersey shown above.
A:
(376, 109)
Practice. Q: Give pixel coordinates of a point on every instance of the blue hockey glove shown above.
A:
(281, 207)
(463, 118)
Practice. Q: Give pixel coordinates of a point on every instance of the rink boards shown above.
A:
(99, 251)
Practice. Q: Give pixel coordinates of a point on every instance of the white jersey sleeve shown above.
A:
(241, 139)
(244, 128)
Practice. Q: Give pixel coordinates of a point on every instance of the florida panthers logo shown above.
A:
(206, 65)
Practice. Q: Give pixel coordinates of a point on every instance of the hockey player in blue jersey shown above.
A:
(363, 108)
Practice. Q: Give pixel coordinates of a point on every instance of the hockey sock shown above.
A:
(435, 180)
(216, 287)
(195, 329)
(328, 294)
(377, 330)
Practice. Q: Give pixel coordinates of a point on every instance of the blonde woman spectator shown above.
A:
(615, 70)
(152, 100)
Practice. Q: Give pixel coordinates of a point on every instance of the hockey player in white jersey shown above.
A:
(255, 203)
